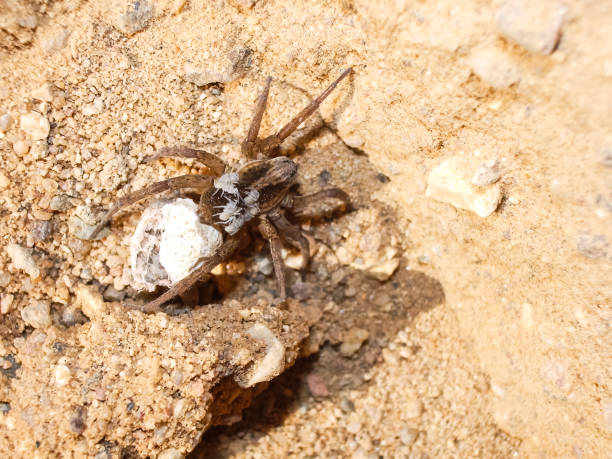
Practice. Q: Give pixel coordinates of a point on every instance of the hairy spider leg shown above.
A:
(198, 182)
(211, 161)
(293, 235)
(268, 231)
(292, 125)
(249, 145)
(202, 272)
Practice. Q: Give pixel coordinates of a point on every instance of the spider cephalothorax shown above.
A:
(260, 191)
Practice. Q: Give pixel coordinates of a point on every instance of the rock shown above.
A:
(169, 242)
(4, 181)
(21, 147)
(60, 203)
(6, 301)
(22, 259)
(352, 341)
(44, 92)
(136, 17)
(316, 385)
(487, 173)
(592, 245)
(37, 314)
(494, 67)
(263, 264)
(95, 108)
(90, 300)
(62, 375)
(41, 230)
(536, 26)
(35, 125)
(83, 230)
(228, 69)
(6, 121)
(407, 435)
(112, 294)
(273, 362)
(449, 183)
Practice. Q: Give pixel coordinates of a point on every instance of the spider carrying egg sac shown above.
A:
(169, 243)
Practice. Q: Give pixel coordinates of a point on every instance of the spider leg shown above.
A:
(268, 231)
(213, 162)
(250, 143)
(298, 203)
(174, 183)
(294, 236)
(291, 126)
(201, 273)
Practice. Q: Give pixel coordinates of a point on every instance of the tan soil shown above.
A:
(491, 338)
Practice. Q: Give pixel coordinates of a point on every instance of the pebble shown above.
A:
(136, 18)
(536, 26)
(171, 453)
(352, 341)
(592, 245)
(44, 92)
(273, 362)
(407, 435)
(62, 375)
(449, 183)
(55, 42)
(41, 230)
(263, 264)
(6, 301)
(487, 173)
(37, 314)
(22, 259)
(91, 301)
(35, 125)
(82, 230)
(112, 294)
(95, 108)
(494, 67)
(316, 385)
(4, 181)
(60, 203)
(6, 121)
(21, 147)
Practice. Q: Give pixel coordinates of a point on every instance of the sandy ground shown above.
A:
(446, 319)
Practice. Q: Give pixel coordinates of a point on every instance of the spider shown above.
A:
(261, 190)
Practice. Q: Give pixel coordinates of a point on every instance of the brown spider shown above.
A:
(259, 190)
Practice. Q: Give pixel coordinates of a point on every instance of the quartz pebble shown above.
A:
(493, 67)
(22, 259)
(487, 173)
(6, 302)
(352, 341)
(536, 26)
(273, 362)
(6, 121)
(35, 125)
(94, 108)
(37, 314)
(136, 17)
(449, 182)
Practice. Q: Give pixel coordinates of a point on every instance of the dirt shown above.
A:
(420, 329)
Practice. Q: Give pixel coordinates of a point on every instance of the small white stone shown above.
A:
(493, 67)
(4, 181)
(21, 147)
(35, 125)
(62, 375)
(44, 92)
(94, 108)
(6, 121)
(22, 259)
(536, 26)
(449, 183)
(273, 362)
(6, 301)
(136, 17)
(37, 314)
(487, 173)
(412, 409)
